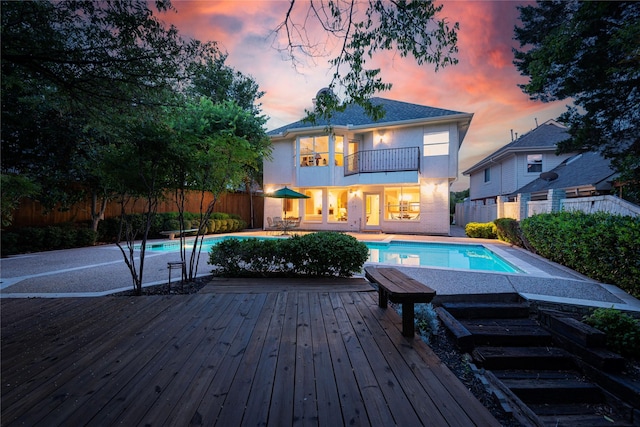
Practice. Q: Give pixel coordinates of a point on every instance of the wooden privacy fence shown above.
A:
(31, 213)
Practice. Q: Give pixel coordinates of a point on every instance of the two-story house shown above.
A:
(391, 175)
(517, 163)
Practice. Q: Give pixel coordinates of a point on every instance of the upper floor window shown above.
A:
(339, 151)
(487, 174)
(314, 151)
(436, 143)
(534, 163)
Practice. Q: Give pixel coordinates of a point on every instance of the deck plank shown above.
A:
(241, 387)
(351, 402)
(329, 413)
(305, 409)
(439, 383)
(257, 409)
(382, 383)
(47, 382)
(303, 356)
(136, 355)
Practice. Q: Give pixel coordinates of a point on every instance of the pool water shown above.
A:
(424, 254)
(445, 255)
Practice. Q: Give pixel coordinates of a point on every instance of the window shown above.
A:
(313, 205)
(337, 210)
(314, 151)
(339, 150)
(402, 203)
(534, 163)
(436, 143)
(487, 174)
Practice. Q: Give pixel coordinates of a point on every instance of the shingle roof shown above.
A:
(547, 135)
(354, 115)
(586, 169)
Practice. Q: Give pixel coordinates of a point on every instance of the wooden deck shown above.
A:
(228, 356)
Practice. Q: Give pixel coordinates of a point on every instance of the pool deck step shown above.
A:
(507, 332)
(523, 358)
(496, 310)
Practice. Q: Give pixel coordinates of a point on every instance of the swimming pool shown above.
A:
(417, 254)
(444, 255)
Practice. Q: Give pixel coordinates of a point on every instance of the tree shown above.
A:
(362, 29)
(215, 145)
(588, 52)
(138, 168)
(219, 83)
(70, 69)
(12, 189)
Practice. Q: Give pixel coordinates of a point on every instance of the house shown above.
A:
(584, 174)
(517, 163)
(390, 175)
(525, 178)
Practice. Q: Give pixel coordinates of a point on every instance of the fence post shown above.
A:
(555, 196)
(523, 200)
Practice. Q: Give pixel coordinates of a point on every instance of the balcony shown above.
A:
(386, 160)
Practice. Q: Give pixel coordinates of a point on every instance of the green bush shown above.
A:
(315, 254)
(622, 330)
(250, 257)
(480, 230)
(85, 237)
(508, 230)
(9, 243)
(601, 246)
(326, 253)
(36, 239)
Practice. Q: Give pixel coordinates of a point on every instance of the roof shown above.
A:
(543, 138)
(354, 115)
(588, 169)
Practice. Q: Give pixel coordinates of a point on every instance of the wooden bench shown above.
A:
(172, 233)
(396, 286)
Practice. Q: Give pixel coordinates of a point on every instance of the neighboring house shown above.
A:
(582, 182)
(517, 163)
(392, 175)
(586, 174)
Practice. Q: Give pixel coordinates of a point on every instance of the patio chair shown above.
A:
(274, 224)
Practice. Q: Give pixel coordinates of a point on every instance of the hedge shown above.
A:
(64, 236)
(37, 239)
(601, 246)
(324, 253)
(218, 223)
(481, 230)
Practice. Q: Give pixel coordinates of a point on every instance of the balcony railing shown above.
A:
(386, 160)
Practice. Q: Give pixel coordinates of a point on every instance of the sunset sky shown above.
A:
(484, 82)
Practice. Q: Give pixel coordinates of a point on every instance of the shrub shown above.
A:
(315, 254)
(326, 253)
(602, 246)
(622, 330)
(426, 320)
(248, 257)
(9, 243)
(508, 230)
(36, 239)
(170, 225)
(480, 230)
(85, 237)
(108, 229)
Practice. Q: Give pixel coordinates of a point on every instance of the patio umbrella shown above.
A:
(286, 193)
